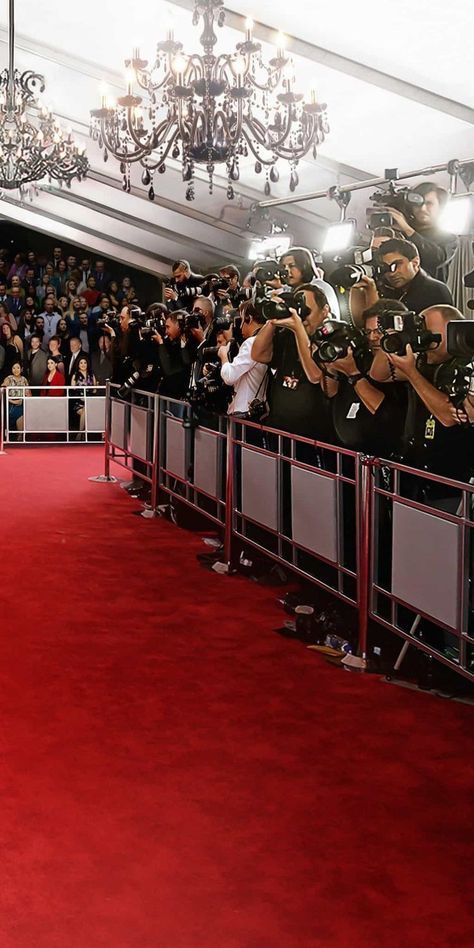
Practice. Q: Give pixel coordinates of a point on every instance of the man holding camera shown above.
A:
(298, 403)
(247, 376)
(436, 249)
(404, 279)
(175, 356)
(184, 286)
(368, 414)
(435, 438)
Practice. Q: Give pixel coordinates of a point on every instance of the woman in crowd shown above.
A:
(113, 293)
(62, 274)
(70, 290)
(18, 267)
(63, 304)
(7, 317)
(82, 378)
(53, 380)
(54, 347)
(18, 388)
(64, 335)
(41, 290)
(13, 346)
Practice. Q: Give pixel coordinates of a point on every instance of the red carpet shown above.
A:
(175, 775)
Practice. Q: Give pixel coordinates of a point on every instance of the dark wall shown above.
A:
(17, 239)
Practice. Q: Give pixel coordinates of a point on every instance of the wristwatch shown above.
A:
(353, 379)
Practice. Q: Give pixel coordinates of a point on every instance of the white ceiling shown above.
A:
(397, 79)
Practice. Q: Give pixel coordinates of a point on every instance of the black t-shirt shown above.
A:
(296, 404)
(358, 429)
(435, 248)
(424, 291)
(431, 446)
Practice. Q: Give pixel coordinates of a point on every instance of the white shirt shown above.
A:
(246, 376)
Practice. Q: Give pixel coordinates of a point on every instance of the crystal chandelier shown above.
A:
(208, 110)
(32, 143)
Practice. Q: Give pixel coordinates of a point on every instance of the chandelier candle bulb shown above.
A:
(248, 30)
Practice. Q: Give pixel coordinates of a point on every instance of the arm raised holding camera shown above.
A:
(437, 403)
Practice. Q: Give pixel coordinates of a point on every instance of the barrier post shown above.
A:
(2, 419)
(366, 469)
(155, 462)
(229, 497)
(106, 477)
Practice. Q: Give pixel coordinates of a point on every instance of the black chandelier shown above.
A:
(206, 110)
(32, 144)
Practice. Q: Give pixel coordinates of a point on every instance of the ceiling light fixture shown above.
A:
(210, 110)
(33, 145)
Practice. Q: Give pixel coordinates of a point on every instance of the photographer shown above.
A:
(175, 356)
(435, 438)
(300, 269)
(418, 224)
(411, 284)
(184, 286)
(247, 376)
(297, 401)
(369, 415)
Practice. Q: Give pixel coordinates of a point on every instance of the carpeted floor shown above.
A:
(176, 775)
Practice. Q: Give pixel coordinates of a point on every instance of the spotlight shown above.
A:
(274, 246)
(457, 216)
(339, 236)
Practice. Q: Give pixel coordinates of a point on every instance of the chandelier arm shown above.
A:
(274, 78)
(268, 162)
(159, 161)
(117, 148)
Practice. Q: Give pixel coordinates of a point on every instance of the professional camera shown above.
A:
(210, 391)
(188, 289)
(346, 276)
(462, 385)
(278, 307)
(401, 199)
(402, 329)
(460, 338)
(333, 339)
(269, 270)
(110, 318)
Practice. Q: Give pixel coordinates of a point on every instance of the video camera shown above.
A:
(404, 200)
(269, 270)
(333, 339)
(402, 329)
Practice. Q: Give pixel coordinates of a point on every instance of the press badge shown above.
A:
(430, 429)
(353, 410)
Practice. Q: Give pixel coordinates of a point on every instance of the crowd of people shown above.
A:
(50, 327)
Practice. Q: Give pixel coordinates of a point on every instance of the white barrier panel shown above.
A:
(118, 429)
(140, 433)
(425, 563)
(95, 414)
(46, 415)
(314, 512)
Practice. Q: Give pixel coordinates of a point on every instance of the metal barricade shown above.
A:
(70, 415)
(131, 438)
(422, 542)
(193, 458)
(298, 501)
